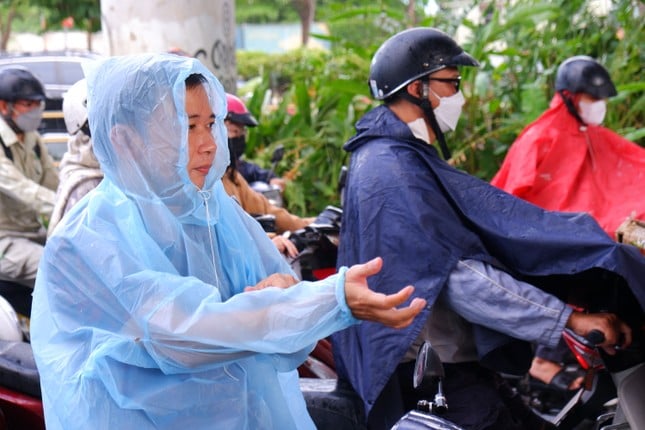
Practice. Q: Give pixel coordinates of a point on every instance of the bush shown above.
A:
(309, 101)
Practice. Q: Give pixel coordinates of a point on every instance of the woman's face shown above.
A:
(201, 143)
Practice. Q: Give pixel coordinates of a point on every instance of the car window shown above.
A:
(57, 73)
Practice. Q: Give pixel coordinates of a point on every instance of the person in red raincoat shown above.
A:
(567, 161)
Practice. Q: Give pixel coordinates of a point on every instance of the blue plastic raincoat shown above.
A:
(139, 316)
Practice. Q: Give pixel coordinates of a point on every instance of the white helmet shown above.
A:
(9, 323)
(75, 107)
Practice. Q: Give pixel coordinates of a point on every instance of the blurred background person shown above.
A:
(79, 169)
(28, 177)
(237, 120)
(567, 161)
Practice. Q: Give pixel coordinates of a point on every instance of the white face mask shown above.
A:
(419, 129)
(30, 120)
(593, 113)
(449, 111)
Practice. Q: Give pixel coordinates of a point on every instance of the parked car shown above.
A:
(58, 71)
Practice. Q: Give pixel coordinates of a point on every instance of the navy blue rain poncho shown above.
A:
(450, 215)
(139, 316)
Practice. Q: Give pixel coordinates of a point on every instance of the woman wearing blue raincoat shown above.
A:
(140, 315)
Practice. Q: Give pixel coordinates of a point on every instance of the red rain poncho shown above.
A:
(559, 165)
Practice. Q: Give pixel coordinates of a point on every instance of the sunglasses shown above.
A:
(454, 81)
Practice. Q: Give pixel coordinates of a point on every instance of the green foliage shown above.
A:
(262, 11)
(36, 16)
(519, 44)
(19, 15)
(86, 13)
(317, 97)
(533, 38)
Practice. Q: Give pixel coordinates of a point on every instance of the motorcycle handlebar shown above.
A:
(595, 337)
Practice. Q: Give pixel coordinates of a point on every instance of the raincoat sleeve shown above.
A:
(271, 321)
(180, 321)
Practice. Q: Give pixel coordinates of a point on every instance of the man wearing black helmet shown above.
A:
(470, 248)
(28, 176)
(567, 161)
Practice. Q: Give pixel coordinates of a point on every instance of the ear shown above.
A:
(4, 107)
(415, 89)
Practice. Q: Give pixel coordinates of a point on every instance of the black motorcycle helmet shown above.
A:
(410, 55)
(583, 74)
(18, 83)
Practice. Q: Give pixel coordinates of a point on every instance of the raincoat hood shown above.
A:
(133, 137)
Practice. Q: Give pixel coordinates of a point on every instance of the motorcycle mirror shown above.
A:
(278, 154)
(428, 367)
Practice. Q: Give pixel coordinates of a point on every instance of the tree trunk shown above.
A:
(412, 15)
(88, 33)
(5, 28)
(306, 10)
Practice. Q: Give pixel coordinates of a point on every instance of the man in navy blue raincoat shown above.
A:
(474, 252)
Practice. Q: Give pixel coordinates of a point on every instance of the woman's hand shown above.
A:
(368, 305)
(280, 280)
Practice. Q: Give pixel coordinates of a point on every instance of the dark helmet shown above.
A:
(582, 74)
(237, 111)
(410, 55)
(18, 83)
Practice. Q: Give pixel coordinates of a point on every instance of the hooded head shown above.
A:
(138, 121)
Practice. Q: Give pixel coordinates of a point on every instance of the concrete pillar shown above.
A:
(204, 29)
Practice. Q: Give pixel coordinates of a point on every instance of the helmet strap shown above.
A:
(85, 128)
(428, 112)
(570, 107)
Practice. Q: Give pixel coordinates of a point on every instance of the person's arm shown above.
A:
(255, 203)
(253, 172)
(16, 185)
(50, 177)
(485, 295)
(268, 320)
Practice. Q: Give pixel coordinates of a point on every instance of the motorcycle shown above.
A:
(332, 405)
(20, 399)
(614, 386)
(317, 245)
(427, 370)
(613, 390)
